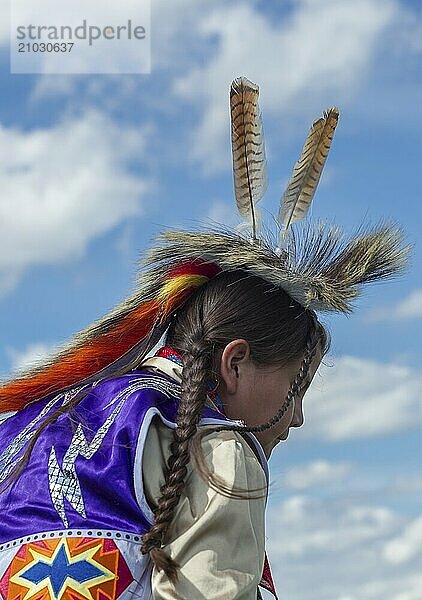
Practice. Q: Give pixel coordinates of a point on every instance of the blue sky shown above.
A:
(93, 166)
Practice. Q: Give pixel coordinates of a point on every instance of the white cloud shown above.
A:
(8, 281)
(394, 586)
(334, 549)
(318, 53)
(52, 86)
(329, 526)
(406, 484)
(409, 308)
(407, 545)
(174, 40)
(120, 55)
(29, 356)
(63, 186)
(319, 472)
(126, 242)
(358, 398)
(321, 52)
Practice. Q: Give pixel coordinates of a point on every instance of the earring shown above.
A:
(214, 389)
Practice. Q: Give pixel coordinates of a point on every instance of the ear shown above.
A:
(232, 363)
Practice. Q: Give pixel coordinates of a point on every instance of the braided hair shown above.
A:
(233, 304)
(193, 393)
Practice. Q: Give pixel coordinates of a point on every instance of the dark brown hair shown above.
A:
(278, 330)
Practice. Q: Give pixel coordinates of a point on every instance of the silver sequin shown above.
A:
(63, 481)
(8, 458)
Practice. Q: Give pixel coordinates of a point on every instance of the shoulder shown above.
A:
(231, 444)
(226, 453)
(229, 455)
(139, 386)
(141, 378)
(209, 526)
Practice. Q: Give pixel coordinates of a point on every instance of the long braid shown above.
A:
(197, 364)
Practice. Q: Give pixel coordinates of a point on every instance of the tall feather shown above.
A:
(249, 162)
(307, 171)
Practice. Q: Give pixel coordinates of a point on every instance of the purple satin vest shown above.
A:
(80, 473)
(71, 523)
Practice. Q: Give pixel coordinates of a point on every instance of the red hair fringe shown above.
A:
(97, 353)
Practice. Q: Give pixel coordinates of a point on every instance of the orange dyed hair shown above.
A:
(96, 353)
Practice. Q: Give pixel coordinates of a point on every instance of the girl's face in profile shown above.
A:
(255, 393)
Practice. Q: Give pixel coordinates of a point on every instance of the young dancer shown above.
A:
(128, 475)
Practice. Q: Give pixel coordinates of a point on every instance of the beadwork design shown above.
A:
(66, 569)
(9, 458)
(63, 481)
(62, 533)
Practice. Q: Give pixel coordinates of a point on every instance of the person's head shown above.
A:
(260, 346)
(252, 339)
(255, 393)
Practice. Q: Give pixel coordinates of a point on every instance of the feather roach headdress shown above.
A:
(316, 264)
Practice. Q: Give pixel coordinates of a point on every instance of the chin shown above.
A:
(283, 436)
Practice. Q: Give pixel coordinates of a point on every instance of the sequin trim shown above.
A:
(63, 480)
(8, 458)
(61, 533)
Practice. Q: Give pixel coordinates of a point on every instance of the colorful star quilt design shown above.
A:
(66, 569)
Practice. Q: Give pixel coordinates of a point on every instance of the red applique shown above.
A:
(267, 579)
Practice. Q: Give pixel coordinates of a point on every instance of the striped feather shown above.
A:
(248, 150)
(306, 173)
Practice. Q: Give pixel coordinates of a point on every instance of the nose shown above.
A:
(298, 419)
